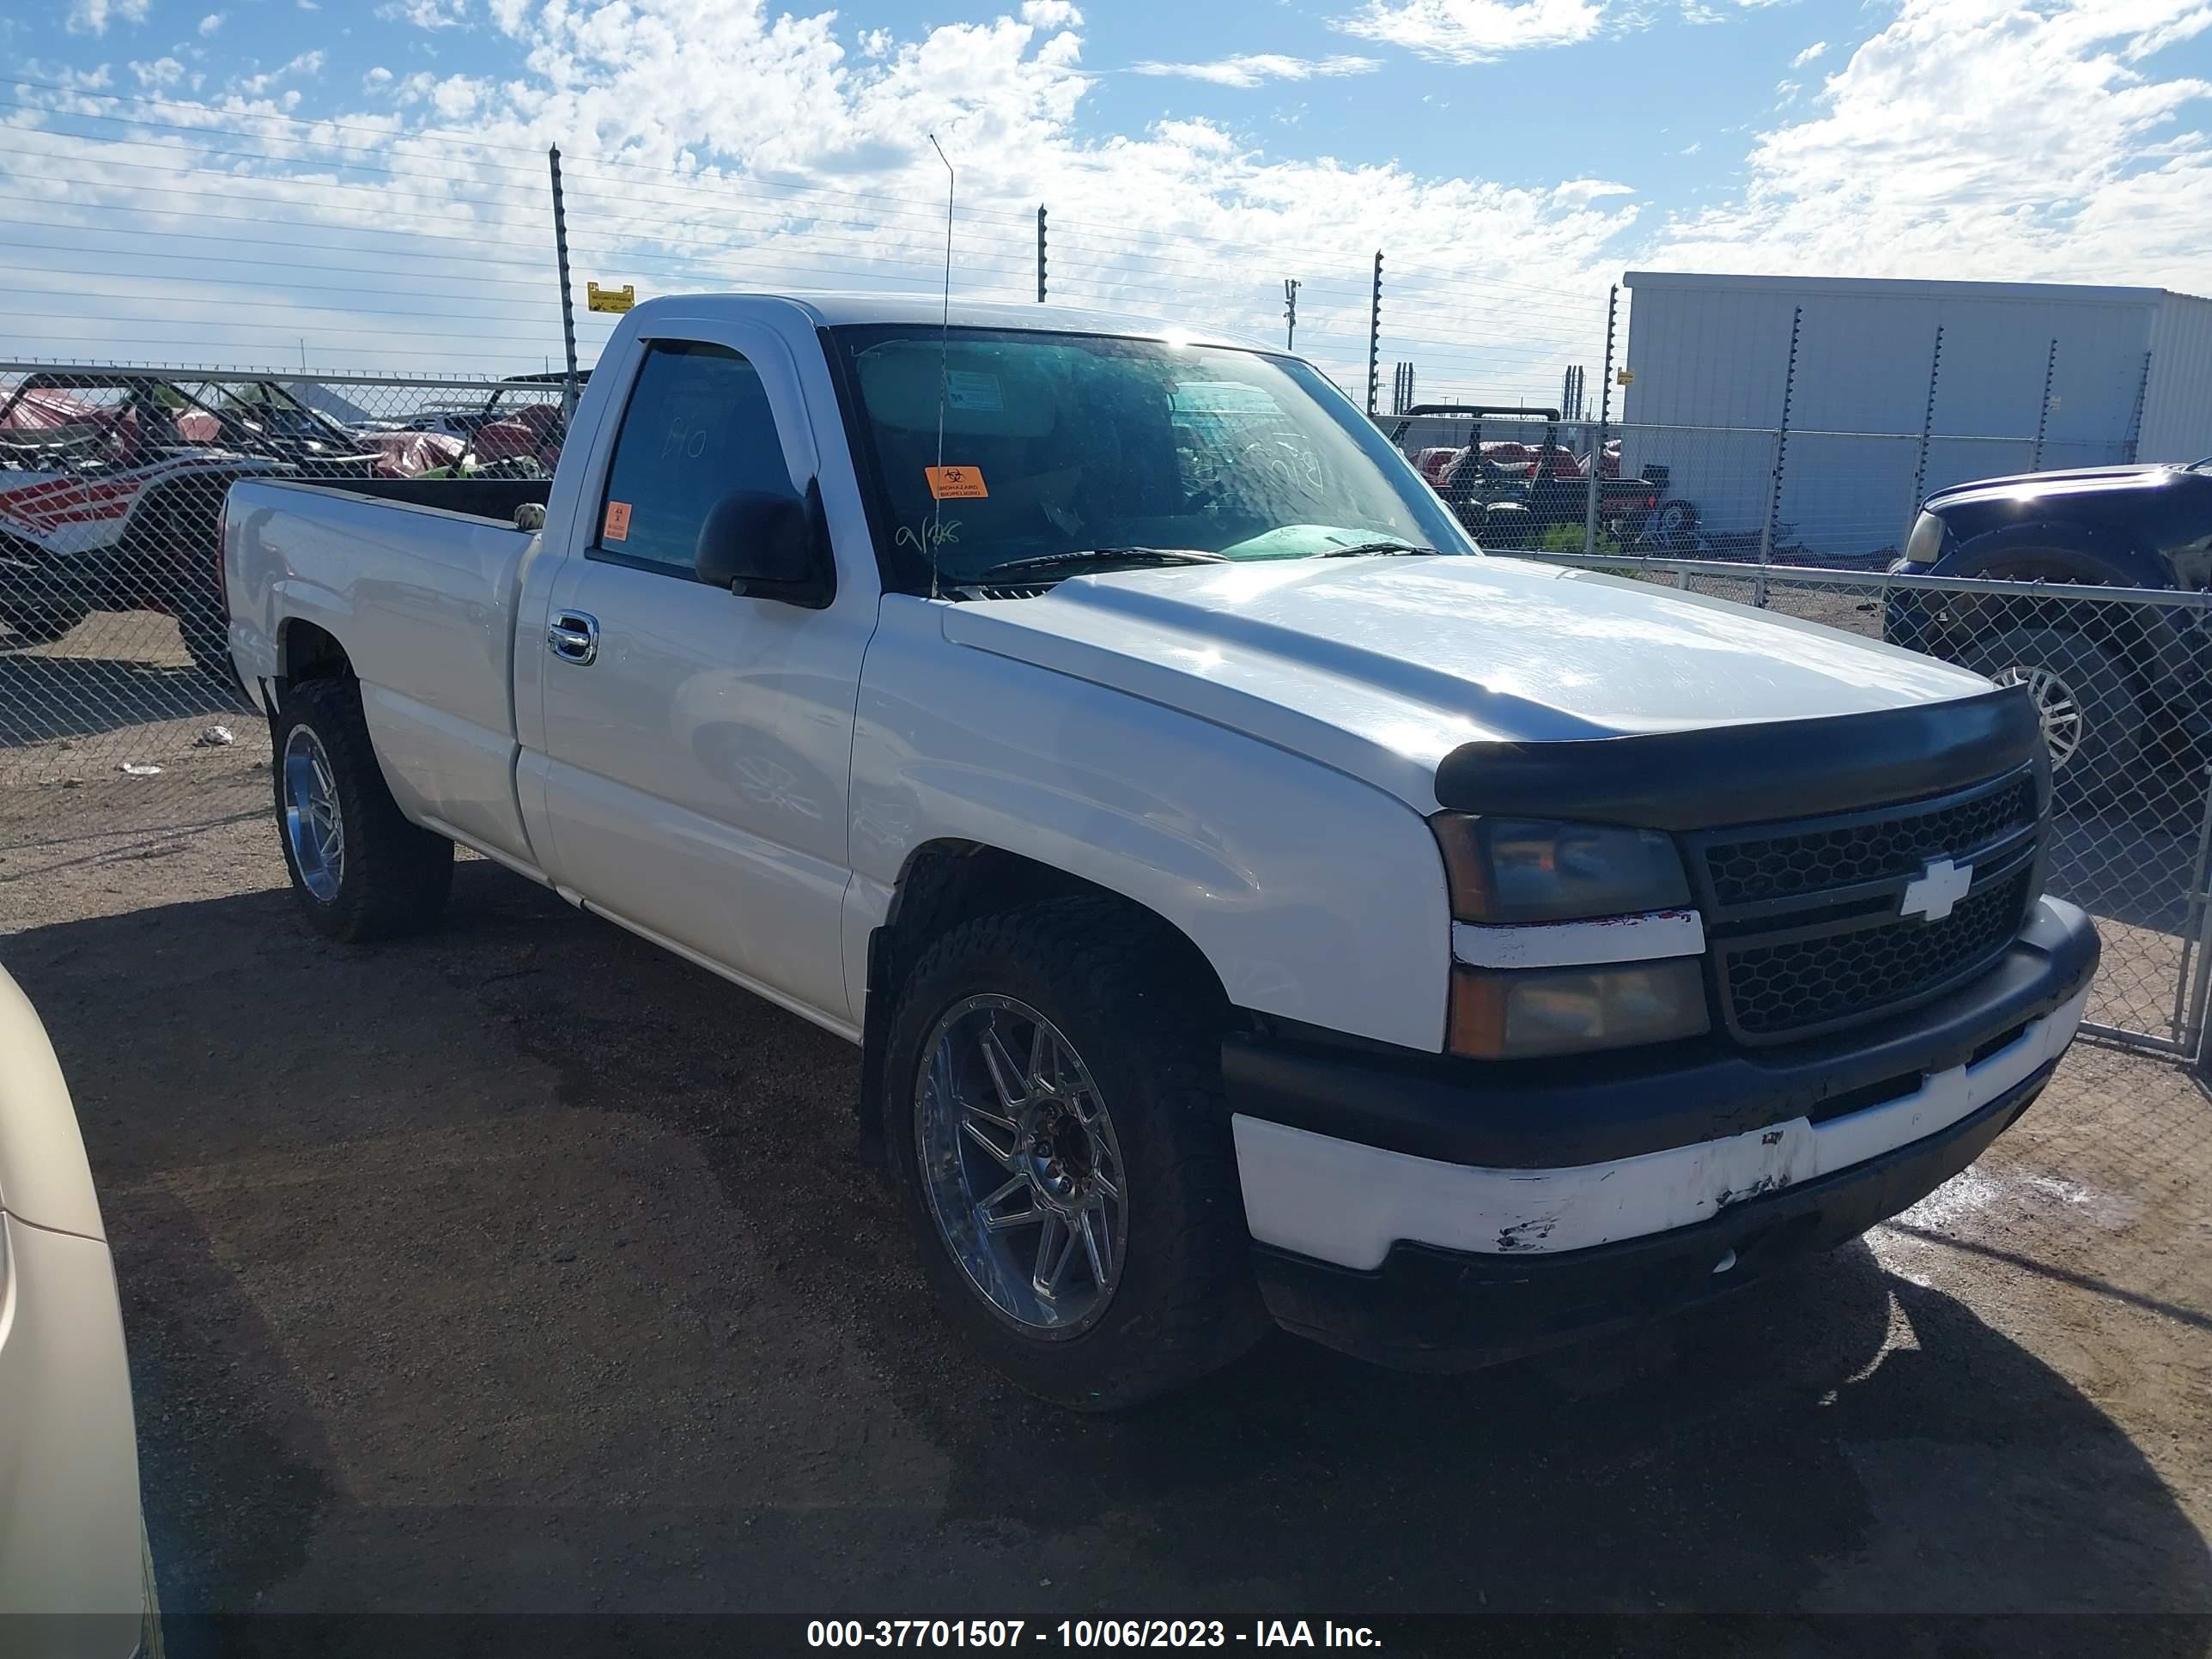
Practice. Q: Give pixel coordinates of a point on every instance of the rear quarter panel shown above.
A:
(422, 601)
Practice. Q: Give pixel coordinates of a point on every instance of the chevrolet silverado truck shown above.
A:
(1251, 901)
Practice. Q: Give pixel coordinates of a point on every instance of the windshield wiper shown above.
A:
(1137, 555)
(1359, 547)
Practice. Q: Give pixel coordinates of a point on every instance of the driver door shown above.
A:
(698, 744)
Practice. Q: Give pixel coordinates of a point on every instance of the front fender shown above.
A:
(2159, 647)
(1314, 896)
(2058, 550)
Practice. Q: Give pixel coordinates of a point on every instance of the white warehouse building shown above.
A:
(2024, 377)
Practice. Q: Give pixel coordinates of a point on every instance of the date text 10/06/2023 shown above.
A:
(1087, 1633)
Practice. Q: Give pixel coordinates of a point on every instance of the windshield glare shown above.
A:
(1061, 443)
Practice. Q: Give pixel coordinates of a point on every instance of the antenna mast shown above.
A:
(943, 365)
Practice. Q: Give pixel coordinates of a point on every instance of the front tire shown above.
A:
(2092, 714)
(359, 870)
(1053, 1116)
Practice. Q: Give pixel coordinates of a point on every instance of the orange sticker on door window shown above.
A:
(953, 484)
(618, 528)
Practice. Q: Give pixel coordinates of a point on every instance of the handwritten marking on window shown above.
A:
(929, 535)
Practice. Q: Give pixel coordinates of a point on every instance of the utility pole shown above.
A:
(1782, 455)
(1040, 255)
(2043, 417)
(1927, 426)
(1604, 419)
(1290, 313)
(567, 303)
(1375, 333)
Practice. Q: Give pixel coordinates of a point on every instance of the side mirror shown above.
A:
(764, 545)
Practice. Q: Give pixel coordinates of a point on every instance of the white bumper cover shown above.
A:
(1346, 1203)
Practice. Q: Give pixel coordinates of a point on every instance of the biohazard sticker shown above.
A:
(617, 525)
(953, 484)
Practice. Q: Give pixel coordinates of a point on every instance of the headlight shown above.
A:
(1521, 1013)
(1519, 869)
(1925, 545)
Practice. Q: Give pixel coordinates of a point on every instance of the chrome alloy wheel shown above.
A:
(1023, 1172)
(2055, 705)
(312, 822)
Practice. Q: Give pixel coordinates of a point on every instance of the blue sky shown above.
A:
(1513, 156)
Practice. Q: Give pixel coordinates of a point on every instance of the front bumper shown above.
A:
(1442, 1215)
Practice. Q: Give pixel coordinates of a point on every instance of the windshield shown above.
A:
(1063, 443)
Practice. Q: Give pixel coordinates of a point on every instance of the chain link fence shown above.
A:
(1832, 499)
(115, 667)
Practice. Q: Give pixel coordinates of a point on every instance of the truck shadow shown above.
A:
(358, 1197)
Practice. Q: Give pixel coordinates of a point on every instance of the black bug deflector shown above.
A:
(1713, 776)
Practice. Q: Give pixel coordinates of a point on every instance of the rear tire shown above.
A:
(2091, 712)
(359, 870)
(206, 631)
(1674, 526)
(1131, 1095)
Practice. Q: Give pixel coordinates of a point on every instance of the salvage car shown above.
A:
(1252, 901)
(76, 1579)
(111, 483)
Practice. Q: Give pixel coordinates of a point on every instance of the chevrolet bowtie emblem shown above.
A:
(1934, 890)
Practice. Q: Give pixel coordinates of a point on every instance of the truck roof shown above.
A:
(835, 309)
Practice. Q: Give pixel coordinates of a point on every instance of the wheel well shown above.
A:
(306, 652)
(2142, 638)
(948, 882)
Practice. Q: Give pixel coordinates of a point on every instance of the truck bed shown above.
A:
(424, 598)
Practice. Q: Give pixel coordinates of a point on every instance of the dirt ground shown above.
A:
(521, 1267)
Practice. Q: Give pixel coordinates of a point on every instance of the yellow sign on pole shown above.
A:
(610, 299)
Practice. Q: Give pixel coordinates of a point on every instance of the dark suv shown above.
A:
(2113, 680)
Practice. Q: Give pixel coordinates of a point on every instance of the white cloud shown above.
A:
(93, 16)
(2184, 28)
(1474, 31)
(506, 15)
(307, 65)
(1808, 54)
(160, 74)
(2064, 148)
(1716, 11)
(425, 14)
(210, 23)
(2063, 158)
(1251, 69)
(456, 95)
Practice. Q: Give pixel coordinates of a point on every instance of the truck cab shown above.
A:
(1253, 902)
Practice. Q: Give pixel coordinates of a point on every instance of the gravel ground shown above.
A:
(522, 1268)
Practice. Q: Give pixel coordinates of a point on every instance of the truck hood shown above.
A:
(1380, 667)
(2067, 480)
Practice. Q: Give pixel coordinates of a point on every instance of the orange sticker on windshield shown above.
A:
(618, 528)
(952, 483)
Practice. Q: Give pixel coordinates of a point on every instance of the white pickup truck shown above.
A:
(1251, 901)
